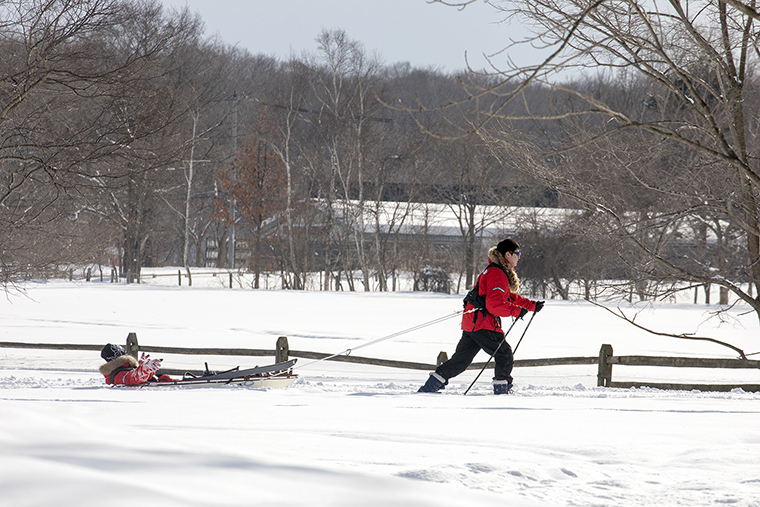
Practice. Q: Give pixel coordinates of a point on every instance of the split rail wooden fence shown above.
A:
(605, 361)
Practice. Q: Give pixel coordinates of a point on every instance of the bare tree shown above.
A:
(157, 103)
(50, 78)
(344, 74)
(255, 182)
(481, 195)
(82, 92)
(283, 137)
(199, 95)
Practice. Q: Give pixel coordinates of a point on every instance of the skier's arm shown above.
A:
(500, 301)
(523, 302)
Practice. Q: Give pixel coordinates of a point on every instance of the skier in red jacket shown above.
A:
(498, 284)
(121, 368)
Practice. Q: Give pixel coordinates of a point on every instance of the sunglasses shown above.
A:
(515, 253)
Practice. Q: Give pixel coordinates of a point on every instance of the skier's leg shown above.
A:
(466, 350)
(433, 384)
(463, 356)
(503, 358)
(502, 387)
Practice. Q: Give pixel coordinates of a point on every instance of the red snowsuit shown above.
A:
(134, 373)
(484, 332)
(500, 302)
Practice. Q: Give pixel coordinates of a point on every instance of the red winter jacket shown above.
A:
(500, 302)
(135, 373)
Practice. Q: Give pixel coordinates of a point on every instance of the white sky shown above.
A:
(399, 30)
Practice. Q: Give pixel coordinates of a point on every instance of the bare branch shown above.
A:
(683, 336)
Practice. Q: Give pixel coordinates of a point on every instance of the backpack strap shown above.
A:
(117, 371)
(475, 299)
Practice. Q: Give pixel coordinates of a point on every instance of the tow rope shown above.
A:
(348, 352)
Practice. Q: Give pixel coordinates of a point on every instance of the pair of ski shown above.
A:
(275, 375)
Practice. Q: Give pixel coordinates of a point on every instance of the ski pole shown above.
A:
(524, 331)
(489, 359)
(497, 349)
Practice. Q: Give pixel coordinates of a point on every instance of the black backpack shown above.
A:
(475, 299)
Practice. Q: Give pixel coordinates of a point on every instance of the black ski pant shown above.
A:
(470, 344)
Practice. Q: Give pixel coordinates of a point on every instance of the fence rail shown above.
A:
(282, 352)
(606, 360)
(49, 346)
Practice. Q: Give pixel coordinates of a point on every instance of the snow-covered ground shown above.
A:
(353, 435)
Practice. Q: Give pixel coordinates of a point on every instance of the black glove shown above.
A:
(523, 311)
(539, 305)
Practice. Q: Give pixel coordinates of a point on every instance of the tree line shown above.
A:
(131, 139)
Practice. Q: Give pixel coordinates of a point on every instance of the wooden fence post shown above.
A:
(133, 348)
(282, 350)
(442, 358)
(604, 377)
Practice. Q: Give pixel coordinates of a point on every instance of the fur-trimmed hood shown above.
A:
(108, 368)
(514, 281)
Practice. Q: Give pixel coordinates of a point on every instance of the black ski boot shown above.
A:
(434, 384)
(502, 386)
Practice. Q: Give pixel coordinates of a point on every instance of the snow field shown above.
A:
(348, 434)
